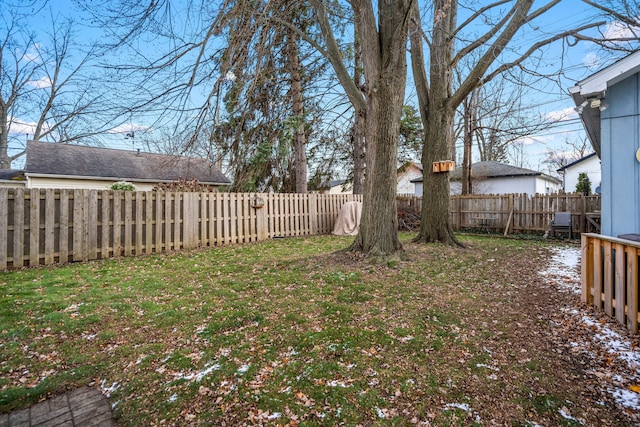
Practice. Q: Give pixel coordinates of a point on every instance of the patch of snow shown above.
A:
(242, 369)
(626, 398)
(173, 397)
(336, 383)
(614, 342)
(197, 376)
(566, 416)
(108, 390)
(207, 371)
(483, 365)
(462, 406)
(380, 413)
(274, 416)
(564, 267)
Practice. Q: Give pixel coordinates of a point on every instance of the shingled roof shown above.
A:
(45, 158)
(489, 169)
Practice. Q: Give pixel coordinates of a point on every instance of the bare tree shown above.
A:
(439, 100)
(44, 85)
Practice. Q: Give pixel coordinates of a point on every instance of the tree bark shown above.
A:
(299, 135)
(378, 234)
(5, 162)
(359, 125)
(385, 69)
(468, 131)
(438, 116)
(359, 129)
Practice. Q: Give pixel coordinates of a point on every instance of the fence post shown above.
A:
(313, 213)
(4, 225)
(583, 214)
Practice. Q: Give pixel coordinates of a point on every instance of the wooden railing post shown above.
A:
(586, 270)
(632, 288)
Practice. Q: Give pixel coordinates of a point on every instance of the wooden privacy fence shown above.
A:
(46, 226)
(515, 212)
(610, 277)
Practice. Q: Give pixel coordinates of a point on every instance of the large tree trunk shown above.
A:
(435, 223)
(384, 45)
(299, 135)
(378, 235)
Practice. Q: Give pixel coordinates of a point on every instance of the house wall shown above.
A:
(530, 185)
(620, 127)
(418, 189)
(546, 186)
(591, 167)
(12, 184)
(507, 185)
(337, 189)
(405, 186)
(42, 182)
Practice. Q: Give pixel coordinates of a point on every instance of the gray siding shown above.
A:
(620, 170)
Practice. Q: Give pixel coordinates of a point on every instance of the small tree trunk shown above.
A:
(359, 128)
(359, 125)
(299, 136)
(468, 108)
(5, 161)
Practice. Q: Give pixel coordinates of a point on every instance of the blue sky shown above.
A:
(551, 100)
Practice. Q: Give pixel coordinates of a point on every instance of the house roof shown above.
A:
(408, 165)
(489, 169)
(336, 182)
(572, 164)
(11, 175)
(594, 88)
(45, 158)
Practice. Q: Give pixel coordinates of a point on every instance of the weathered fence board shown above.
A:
(60, 225)
(517, 212)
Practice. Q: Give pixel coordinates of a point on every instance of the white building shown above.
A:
(498, 178)
(590, 165)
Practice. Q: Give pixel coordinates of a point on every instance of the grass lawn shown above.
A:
(291, 332)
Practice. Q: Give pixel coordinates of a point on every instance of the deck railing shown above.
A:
(610, 277)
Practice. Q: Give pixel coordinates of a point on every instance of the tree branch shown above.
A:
(335, 57)
(476, 15)
(533, 48)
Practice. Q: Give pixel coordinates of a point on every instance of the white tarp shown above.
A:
(348, 220)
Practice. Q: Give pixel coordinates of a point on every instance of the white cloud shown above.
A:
(530, 140)
(33, 54)
(619, 30)
(561, 115)
(18, 126)
(127, 128)
(591, 60)
(41, 83)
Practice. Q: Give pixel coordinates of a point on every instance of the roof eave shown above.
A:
(111, 179)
